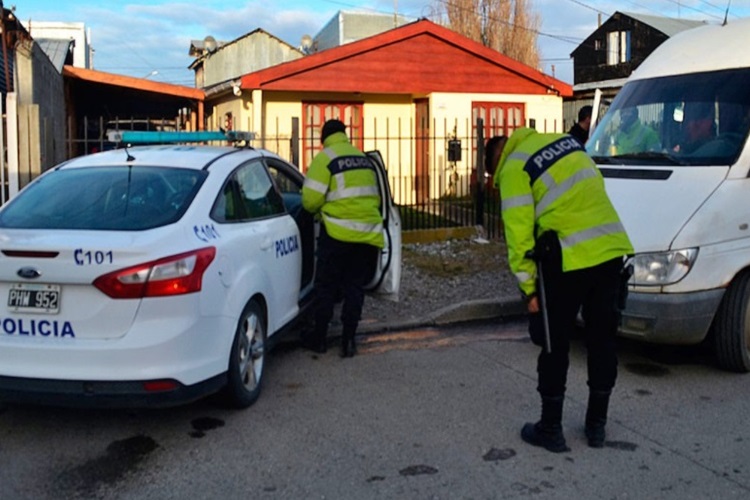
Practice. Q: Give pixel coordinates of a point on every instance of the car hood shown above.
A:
(655, 204)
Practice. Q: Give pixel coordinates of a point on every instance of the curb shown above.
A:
(471, 310)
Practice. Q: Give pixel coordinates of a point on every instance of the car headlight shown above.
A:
(662, 268)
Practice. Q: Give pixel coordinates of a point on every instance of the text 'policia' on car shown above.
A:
(156, 275)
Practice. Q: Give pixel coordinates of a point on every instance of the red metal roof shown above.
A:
(420, 57)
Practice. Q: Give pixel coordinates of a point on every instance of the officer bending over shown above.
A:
(552, 193)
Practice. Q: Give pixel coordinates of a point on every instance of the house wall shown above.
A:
(41, 112)
(389, 126)
(239, 113)
(346, 27)
(251, 53)
(65, 31)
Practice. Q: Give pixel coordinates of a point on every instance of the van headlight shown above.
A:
(662, 268)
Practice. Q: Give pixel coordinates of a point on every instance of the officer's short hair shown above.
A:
(584, 112)
(489, 149)
(331, 127)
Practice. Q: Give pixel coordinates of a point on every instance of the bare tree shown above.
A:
(508, 26)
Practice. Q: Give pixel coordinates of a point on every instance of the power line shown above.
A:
(567, 39)
(680, 4)
(583, 4)
(717, 7)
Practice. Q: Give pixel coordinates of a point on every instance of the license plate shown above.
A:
(37, 298)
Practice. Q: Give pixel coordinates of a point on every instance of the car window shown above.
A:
(248, 194)
(104, 198)
(289, 185)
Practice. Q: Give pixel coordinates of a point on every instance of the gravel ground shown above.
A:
(440, 274)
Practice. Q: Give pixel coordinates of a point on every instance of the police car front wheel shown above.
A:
(247, 358)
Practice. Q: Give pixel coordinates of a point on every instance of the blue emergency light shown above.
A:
(162, 137)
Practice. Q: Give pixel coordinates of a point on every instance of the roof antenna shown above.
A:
(130, 157)
(726, 14)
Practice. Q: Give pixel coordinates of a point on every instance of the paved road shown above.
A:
(425, 414)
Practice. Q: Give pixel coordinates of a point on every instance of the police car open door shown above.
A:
(387, 278)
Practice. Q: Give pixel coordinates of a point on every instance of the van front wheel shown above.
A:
(732, 326)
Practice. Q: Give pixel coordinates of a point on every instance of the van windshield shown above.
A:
(694, 119)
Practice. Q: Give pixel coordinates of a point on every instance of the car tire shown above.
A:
(247, 358)
(732, 326)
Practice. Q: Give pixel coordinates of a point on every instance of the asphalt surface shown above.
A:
(429, 413)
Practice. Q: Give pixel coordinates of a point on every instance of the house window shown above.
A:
(500, 118)
(618, 47)
(315, 114)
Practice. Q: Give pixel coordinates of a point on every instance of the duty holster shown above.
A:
(547, 250)
(622, 289)
(547, 254)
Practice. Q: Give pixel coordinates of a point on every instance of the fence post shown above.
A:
(294, 142)
(480, 173)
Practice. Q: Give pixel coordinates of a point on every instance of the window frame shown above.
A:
(316, 113)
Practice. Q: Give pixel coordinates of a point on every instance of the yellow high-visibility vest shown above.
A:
(342, 185)
(548, 182)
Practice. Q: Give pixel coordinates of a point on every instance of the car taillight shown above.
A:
(175, 275)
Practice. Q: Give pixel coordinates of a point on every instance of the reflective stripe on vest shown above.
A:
(521, 200)
(555, 191)
(344, 192)
(360, 227)
(518, 155)
(316, 186)
(523, 277)
(591, 233)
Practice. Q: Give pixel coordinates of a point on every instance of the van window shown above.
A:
(695, 119)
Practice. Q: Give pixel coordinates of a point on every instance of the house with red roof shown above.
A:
(411, 92)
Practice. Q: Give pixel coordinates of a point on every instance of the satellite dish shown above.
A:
(209, 44)
(306, 43)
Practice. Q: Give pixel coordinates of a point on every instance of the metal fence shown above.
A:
(436, 176)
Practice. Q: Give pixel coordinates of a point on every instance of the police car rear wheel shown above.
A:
(247, 358)
(732, 327)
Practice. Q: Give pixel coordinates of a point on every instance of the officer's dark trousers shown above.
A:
(595, 291)
(343, 269)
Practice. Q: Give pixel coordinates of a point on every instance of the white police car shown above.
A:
(156, 275)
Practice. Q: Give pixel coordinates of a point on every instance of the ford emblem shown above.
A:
(29, 272)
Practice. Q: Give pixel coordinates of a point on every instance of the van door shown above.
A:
(387, 279)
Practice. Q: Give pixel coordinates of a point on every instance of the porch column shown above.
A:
(258, 126)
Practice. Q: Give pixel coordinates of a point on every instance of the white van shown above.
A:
(677, 171)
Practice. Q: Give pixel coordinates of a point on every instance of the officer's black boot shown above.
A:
(596, 417)
(348, 346)
(316, 340)
(547, 433)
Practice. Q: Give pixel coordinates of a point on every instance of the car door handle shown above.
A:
(267, 243)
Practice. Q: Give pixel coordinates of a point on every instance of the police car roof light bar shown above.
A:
(161, 137)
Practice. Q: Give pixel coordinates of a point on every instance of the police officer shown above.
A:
(580, 129)
(551, 190)
(341, 185)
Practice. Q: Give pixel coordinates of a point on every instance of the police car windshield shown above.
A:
(688, 120)
(122, 198)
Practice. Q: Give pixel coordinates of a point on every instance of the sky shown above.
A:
(151, 38)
